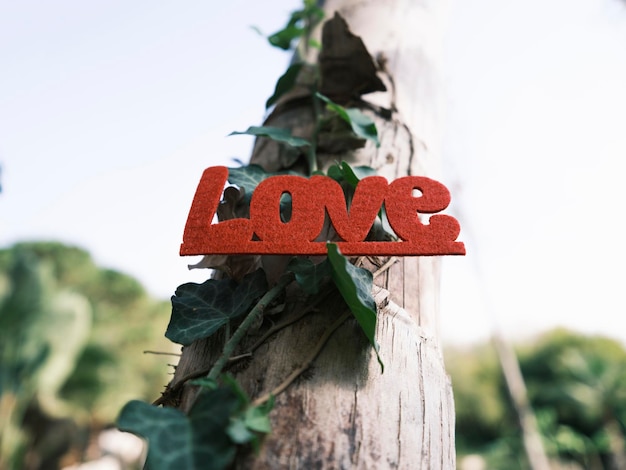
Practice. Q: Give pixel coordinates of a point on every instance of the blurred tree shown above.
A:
(577, 385)
(486, 423)
(22, 352)
(71, 342)
(478, 385)
(584, 380)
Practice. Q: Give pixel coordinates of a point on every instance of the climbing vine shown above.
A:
(223, 416)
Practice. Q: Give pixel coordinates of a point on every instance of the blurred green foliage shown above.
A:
(577, 387)
(72, 337)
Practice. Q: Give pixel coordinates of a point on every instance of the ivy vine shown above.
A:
(222, 416)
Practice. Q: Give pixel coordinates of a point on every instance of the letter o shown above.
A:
(307, 210)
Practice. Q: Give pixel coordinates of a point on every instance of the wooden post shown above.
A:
(343, 412)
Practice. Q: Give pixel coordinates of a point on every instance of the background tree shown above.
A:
(583, 380)
(71, 342)
(575, 384)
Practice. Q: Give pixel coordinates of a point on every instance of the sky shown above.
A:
(110, 111)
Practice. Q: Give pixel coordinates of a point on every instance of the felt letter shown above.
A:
(307, 211)
(203, 207)
(311, 200)
(402, 207)
(366, 202)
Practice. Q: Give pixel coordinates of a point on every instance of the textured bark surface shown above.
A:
(343, 413)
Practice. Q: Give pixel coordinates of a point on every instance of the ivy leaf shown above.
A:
(199, 310)
(315, 44)
(210, 416)
(334, 172)
(299, 22)
(283, 38)
(256, 417)
(355, 286)
(248, 178)
(275, 133)
(244, 427)
(361, 125)
(358, 172)
(249, 420)
(284, 83)
(167, 431)
(348, 174)
(239, 392)
(343, 171)
(179, 441)
(205, 382)
(239, 432)
(310, 277)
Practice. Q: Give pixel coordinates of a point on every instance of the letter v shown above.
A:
(366, 203)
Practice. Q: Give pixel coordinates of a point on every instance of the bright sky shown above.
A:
(109, 112)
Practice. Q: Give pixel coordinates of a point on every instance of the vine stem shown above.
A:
(307, 363)
(279, 326)
(162, 353)
(245, 325)
(276, 328)
(317, 112)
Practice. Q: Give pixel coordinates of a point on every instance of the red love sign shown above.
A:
(312, 199)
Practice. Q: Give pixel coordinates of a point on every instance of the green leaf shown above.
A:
(361, 125)
(248, 178)
(343, 171)
(348, 174)
(167, 430)
(239, 432)
(335, 172)
(256, 418)
(275, 133)
(310, 277)
(178, 441)
(199, 310)
(315, 44)
(299, 22)
(283, 38)
(284, 83)
(358, 172)
(205, 382)
(246, 426)
(249, 420)
(355, 286)
(209, 417)
(239, 392)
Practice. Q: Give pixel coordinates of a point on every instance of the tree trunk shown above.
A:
(343, 413)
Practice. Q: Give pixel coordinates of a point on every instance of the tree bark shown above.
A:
(343, 412)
